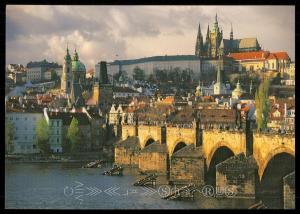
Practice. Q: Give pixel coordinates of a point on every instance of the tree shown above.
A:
(9, 134)
(262, 104)
(74, 136)
(42, 133)
(138, 74)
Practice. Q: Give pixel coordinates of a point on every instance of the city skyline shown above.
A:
(99, 33)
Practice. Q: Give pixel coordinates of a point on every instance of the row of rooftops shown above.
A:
(259, 55)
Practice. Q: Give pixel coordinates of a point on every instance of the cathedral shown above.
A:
(216, 45)
(73, 79)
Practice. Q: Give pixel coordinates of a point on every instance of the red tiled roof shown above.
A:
(249, 55)
(281, 55)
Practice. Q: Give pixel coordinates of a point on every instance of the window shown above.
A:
(57, 132)
(68, 70)
(11, 118)
(273, 65)
(57, 140)
(68, 84)
(25, 118)
(25, 137)
(57, 123)
(17, 118)
(34, 146)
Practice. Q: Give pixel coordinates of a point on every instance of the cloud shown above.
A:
(101, 32)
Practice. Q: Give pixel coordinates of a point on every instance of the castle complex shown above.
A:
(215, 44)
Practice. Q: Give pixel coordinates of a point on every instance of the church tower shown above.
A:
(66, 77)
(219, 86)
(207, 43)
(215, 37)
(199, 43)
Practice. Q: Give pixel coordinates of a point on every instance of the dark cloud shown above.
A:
(101, 32)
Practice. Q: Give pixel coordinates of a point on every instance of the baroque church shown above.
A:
(73, 79)
(216, 45)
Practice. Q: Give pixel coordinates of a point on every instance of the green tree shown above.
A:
(262, 104)
(73, 136)
(9, 134)
(138, 74)
(42, 133)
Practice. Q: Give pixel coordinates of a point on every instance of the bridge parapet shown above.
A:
(267, 145)
(128, 131)
(146, 132)
(215, 138)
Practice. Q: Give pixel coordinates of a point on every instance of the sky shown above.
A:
(37, 32)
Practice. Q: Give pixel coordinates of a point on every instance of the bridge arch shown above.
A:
(235, 150)
(277, 151)
(219, 155)
(270, 186)
(179, 145)
(148, 140)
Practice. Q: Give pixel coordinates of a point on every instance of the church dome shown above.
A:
(78, 66)
(238, 91)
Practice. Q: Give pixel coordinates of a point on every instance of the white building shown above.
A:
(35, 74)
(55, 125)
(149, 64)
(24, 141)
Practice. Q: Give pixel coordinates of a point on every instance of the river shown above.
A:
(68, 186)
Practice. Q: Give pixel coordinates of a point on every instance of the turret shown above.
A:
(199, 43)
(219, 76)
(216, 23)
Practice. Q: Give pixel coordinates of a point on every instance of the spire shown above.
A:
(67, 57)
(199, 43)
(219, 76)
(207, 33)
(75, 57)
(216, 23)
(231, 33)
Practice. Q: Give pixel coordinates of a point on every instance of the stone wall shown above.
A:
(127, 152)
(153, 158)
(187, 165)
(237, 175)
(128, 131)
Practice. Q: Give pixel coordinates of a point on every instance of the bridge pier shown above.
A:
(238, 175)
(153, 158)
(187, 166)
(127, 152)
(289, 191)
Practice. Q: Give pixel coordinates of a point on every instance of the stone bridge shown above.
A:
(267, 146)
(176, 135)
(214, 139)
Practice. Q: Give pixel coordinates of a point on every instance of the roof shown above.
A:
(249, 55)
(155, 58)
(217, 115)
(67, 117)
(239, 43)
(281, 55)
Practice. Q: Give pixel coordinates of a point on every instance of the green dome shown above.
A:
(78, 66)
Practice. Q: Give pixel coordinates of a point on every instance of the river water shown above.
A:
(68, 186)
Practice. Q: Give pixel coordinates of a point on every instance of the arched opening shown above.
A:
(149, 141)
(179, 146)
(270, 188)
(220, 155)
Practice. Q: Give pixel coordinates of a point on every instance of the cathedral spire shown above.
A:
(219, 76)
(75, 57)
(231, 33)
(216, 18)
(207, 33)
(199, 43)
